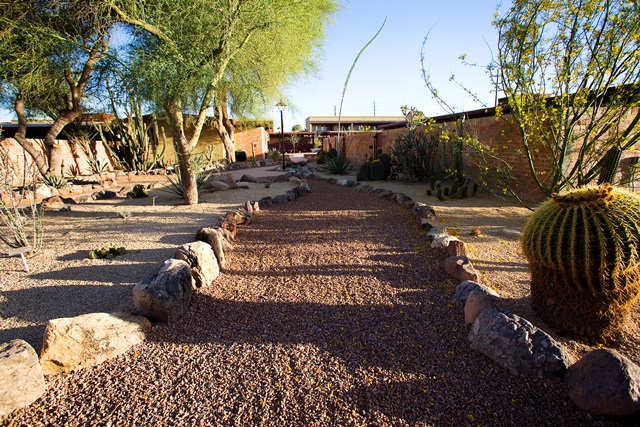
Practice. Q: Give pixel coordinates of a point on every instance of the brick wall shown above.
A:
(256, 138)
(74, 159)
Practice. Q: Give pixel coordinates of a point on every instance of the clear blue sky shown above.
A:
(389, 71)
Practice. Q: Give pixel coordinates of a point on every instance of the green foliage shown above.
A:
(415, 154)
(365, 171)
(570, 73)
(333, 153)
(583, 248)
(378, 171)
(339, 166)
(138, 191)
(322, 157)
(55, 181)
(176, 186)
(274, 155)
(244, 124)
(456, 189)
(107, 252)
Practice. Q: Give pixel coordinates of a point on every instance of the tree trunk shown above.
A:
(21, 136)
(54, 150)
(183, 149)
(225, 129)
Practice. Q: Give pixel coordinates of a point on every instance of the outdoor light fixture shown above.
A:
(281, 106)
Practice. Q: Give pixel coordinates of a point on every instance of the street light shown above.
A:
(281, 106)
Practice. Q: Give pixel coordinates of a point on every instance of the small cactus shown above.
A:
(107, 252)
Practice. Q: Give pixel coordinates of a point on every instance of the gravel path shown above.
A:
(332, 311)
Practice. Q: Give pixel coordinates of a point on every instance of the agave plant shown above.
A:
(583, 249)
(338, 166)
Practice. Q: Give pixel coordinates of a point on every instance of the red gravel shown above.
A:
(332, 311)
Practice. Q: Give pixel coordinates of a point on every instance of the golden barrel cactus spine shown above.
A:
(583, 249)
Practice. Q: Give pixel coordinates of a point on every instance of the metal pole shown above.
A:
(282, 137)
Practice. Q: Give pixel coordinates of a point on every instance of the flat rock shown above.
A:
(604, 382)
(244, 185)
(165, 294)
(518, 346)
(75, 342)
(21, 378)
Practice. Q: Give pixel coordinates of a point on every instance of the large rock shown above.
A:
(606, 383)
(211, 236)
(516, 345)
(464, 288)
(165, 294)
(460, 268)
(202, 260)
(216, 186)
(226, 178)
(21, 378)
(476, 303)
(90, 339)
(248, 178)
(421, 210)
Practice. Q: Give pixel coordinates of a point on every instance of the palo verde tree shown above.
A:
(570, 71)
(48, 53)
(187, 48)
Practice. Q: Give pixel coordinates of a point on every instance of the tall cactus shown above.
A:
(583, 249)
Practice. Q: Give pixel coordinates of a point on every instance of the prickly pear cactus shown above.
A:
(583, 249)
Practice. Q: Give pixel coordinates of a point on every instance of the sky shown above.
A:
(389, 71)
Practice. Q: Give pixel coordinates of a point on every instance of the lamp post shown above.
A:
(281, 106)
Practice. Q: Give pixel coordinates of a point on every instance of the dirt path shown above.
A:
(332, 311)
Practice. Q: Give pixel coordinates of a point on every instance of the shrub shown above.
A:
(415, 154)
(55, 181)
(338, 166)
(583, 249)
(138, 191)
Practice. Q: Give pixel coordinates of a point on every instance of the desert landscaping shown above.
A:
(331, 309)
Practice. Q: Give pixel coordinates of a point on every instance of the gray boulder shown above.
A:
(265, 202)
(464, 288)
(217, 186)
(518, 346)
(165, 294)
(226, 178)
(421, 210)
(21, 378)
(248, 178)
(244, 185)
(202, 260)
(605, 383)
(75, 342)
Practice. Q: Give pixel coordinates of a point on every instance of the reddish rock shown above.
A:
(460, 268)
(456, 248)
(476, 303)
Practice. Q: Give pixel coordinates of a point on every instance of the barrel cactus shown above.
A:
(583, 248)
(365, 171)
(377, 171)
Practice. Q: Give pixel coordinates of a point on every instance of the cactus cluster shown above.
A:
(376, 170)
(107, 252)
(583, 249)
(137, 191)
(457, 190)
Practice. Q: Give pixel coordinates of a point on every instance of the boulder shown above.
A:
(421, 210)
(202, 260)
(217, 186)
(385, 194)
(401, 198)
(364, 188)
(240, 216)
(165, 293)
(604, 382)
(464, 289)
(75, 342)
(43, 191)
(279, 199)
(21, 378)
(476, 303)
(104, 195)
(248, 178)
(460, 268)
(244, 185)
(442, 241)
(291, 195)
(435, 232)
(54, 203)
(265, 202)
(518, 346)
(456, 248)
(211, 236)
(225, 178)
(225, 239)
